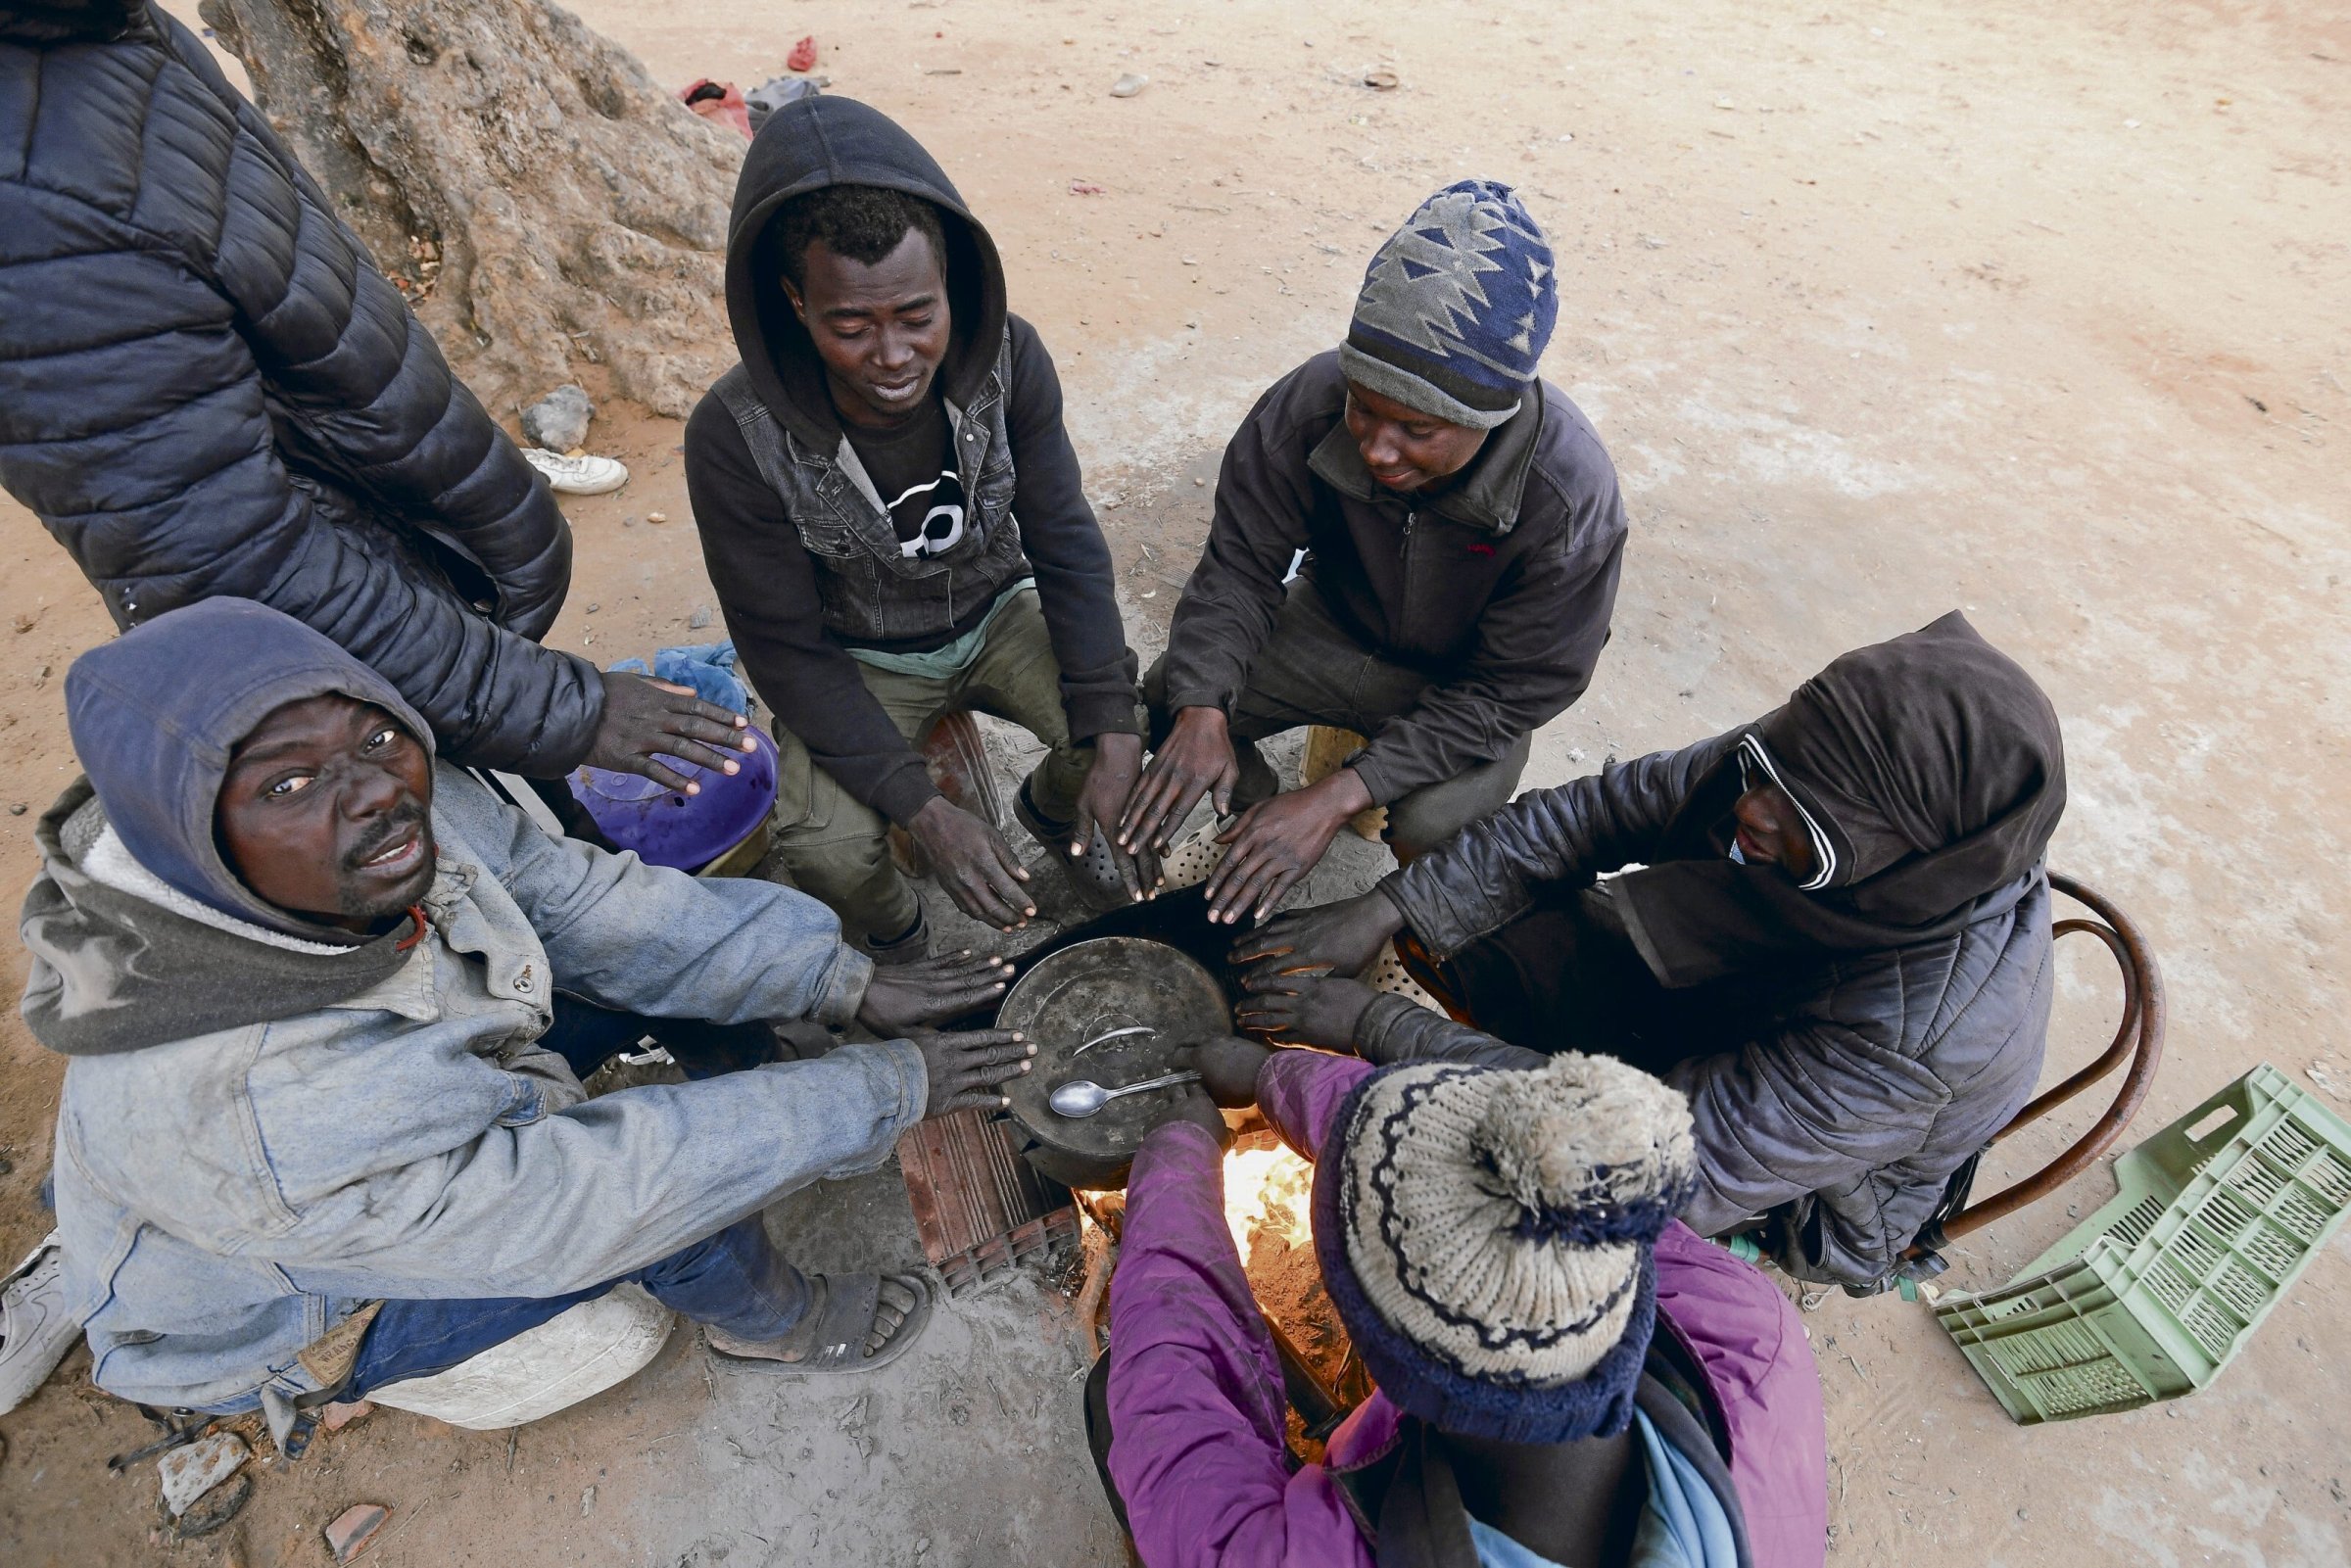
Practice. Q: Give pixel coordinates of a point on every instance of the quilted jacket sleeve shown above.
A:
(1483, 876)
(207, 389)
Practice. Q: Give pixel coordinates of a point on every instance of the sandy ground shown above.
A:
(2031, 309)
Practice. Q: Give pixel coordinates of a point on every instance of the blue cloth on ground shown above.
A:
(708, 667)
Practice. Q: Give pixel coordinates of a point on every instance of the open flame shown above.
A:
(1268, 1192)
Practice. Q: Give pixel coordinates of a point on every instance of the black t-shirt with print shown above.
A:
(913, 470)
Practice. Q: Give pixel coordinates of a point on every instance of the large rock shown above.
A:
(189, 1472)
(559, 421)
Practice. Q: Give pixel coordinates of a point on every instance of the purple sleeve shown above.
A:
(1195, 1392)
(1758, 1365)
(1300, 1091)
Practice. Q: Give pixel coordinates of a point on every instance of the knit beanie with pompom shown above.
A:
(1487, 1236)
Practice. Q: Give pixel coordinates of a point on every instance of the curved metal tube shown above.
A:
(2141, 1036)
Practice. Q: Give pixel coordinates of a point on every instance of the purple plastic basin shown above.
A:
(669, 828)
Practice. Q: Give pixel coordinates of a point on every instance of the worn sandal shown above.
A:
(842, 1324)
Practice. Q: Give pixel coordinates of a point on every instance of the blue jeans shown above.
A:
(736, 1279)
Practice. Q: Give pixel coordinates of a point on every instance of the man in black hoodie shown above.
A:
(896, 525)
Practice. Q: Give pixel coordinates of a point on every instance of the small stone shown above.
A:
(656, 517)
(559, 421)
(1380, 80)
(1129, 85)
(699, 618)
(628, 522)
(587, 1501)
(593, 608)
(16, 808)
(194, 1469)
(354, 1528)
(340, 1414)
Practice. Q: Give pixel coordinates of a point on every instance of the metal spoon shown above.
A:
(1083, 1097)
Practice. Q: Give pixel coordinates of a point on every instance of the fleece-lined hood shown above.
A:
(156, 714)
(139, 932)
(805, 146)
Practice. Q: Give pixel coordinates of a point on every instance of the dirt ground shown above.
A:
(2033, 309)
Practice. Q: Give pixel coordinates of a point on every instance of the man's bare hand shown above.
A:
(1196, 759)
(1109, 784)
(1227, 1066)
(973, 864)
(1304, 1007)
(964, 1068)
(1343, 938)
(906, 996)
(1277, 841)
(1190, 1104)
(647, 719)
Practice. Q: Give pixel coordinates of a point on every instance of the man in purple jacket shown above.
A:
(1499, 1245)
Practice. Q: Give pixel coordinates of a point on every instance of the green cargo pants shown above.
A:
(837, 849)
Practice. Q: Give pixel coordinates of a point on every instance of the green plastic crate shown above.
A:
(2154, 1294)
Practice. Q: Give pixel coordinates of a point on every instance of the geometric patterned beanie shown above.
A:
(1456, 307)
(1487, 1236)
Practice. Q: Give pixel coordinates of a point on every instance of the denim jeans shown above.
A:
(587, 1037)
(735, 1279)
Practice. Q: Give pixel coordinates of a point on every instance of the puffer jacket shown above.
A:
(207, 389)
(1838, 1096)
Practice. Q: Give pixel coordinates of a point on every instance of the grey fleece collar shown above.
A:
(1491, 495)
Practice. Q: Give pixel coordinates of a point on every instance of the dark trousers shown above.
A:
(1311, 671)
(588, 1036)
(735, 1279)
(1564, 976)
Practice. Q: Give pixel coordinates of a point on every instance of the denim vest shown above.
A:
(871, 591)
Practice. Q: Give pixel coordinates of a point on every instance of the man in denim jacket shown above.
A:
(318, 1133)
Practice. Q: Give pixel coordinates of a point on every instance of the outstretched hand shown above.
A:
(1191, 1106)
(1196, 759)
(1227, 1066)
(1277, 841)
(1110, 784)
(962, 1069)
(645, 719)
(1343, 938)
(906, 996)
(1304, 1007)
(973, 864)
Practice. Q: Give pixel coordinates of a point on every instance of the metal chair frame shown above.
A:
(2137, 1038)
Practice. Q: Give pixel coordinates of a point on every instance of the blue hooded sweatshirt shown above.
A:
(155, 716)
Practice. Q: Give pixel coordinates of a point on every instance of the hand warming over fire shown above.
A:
(1304, 1007)
(1228, 1067)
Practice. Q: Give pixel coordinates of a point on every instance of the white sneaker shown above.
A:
(35, 1329)
(577, 476)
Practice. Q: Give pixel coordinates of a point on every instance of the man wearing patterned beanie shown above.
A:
(1462, 531)
(1565, 1373)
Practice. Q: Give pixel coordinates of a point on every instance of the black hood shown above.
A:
(807, 145)
(75, 22)
(1933, 768)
